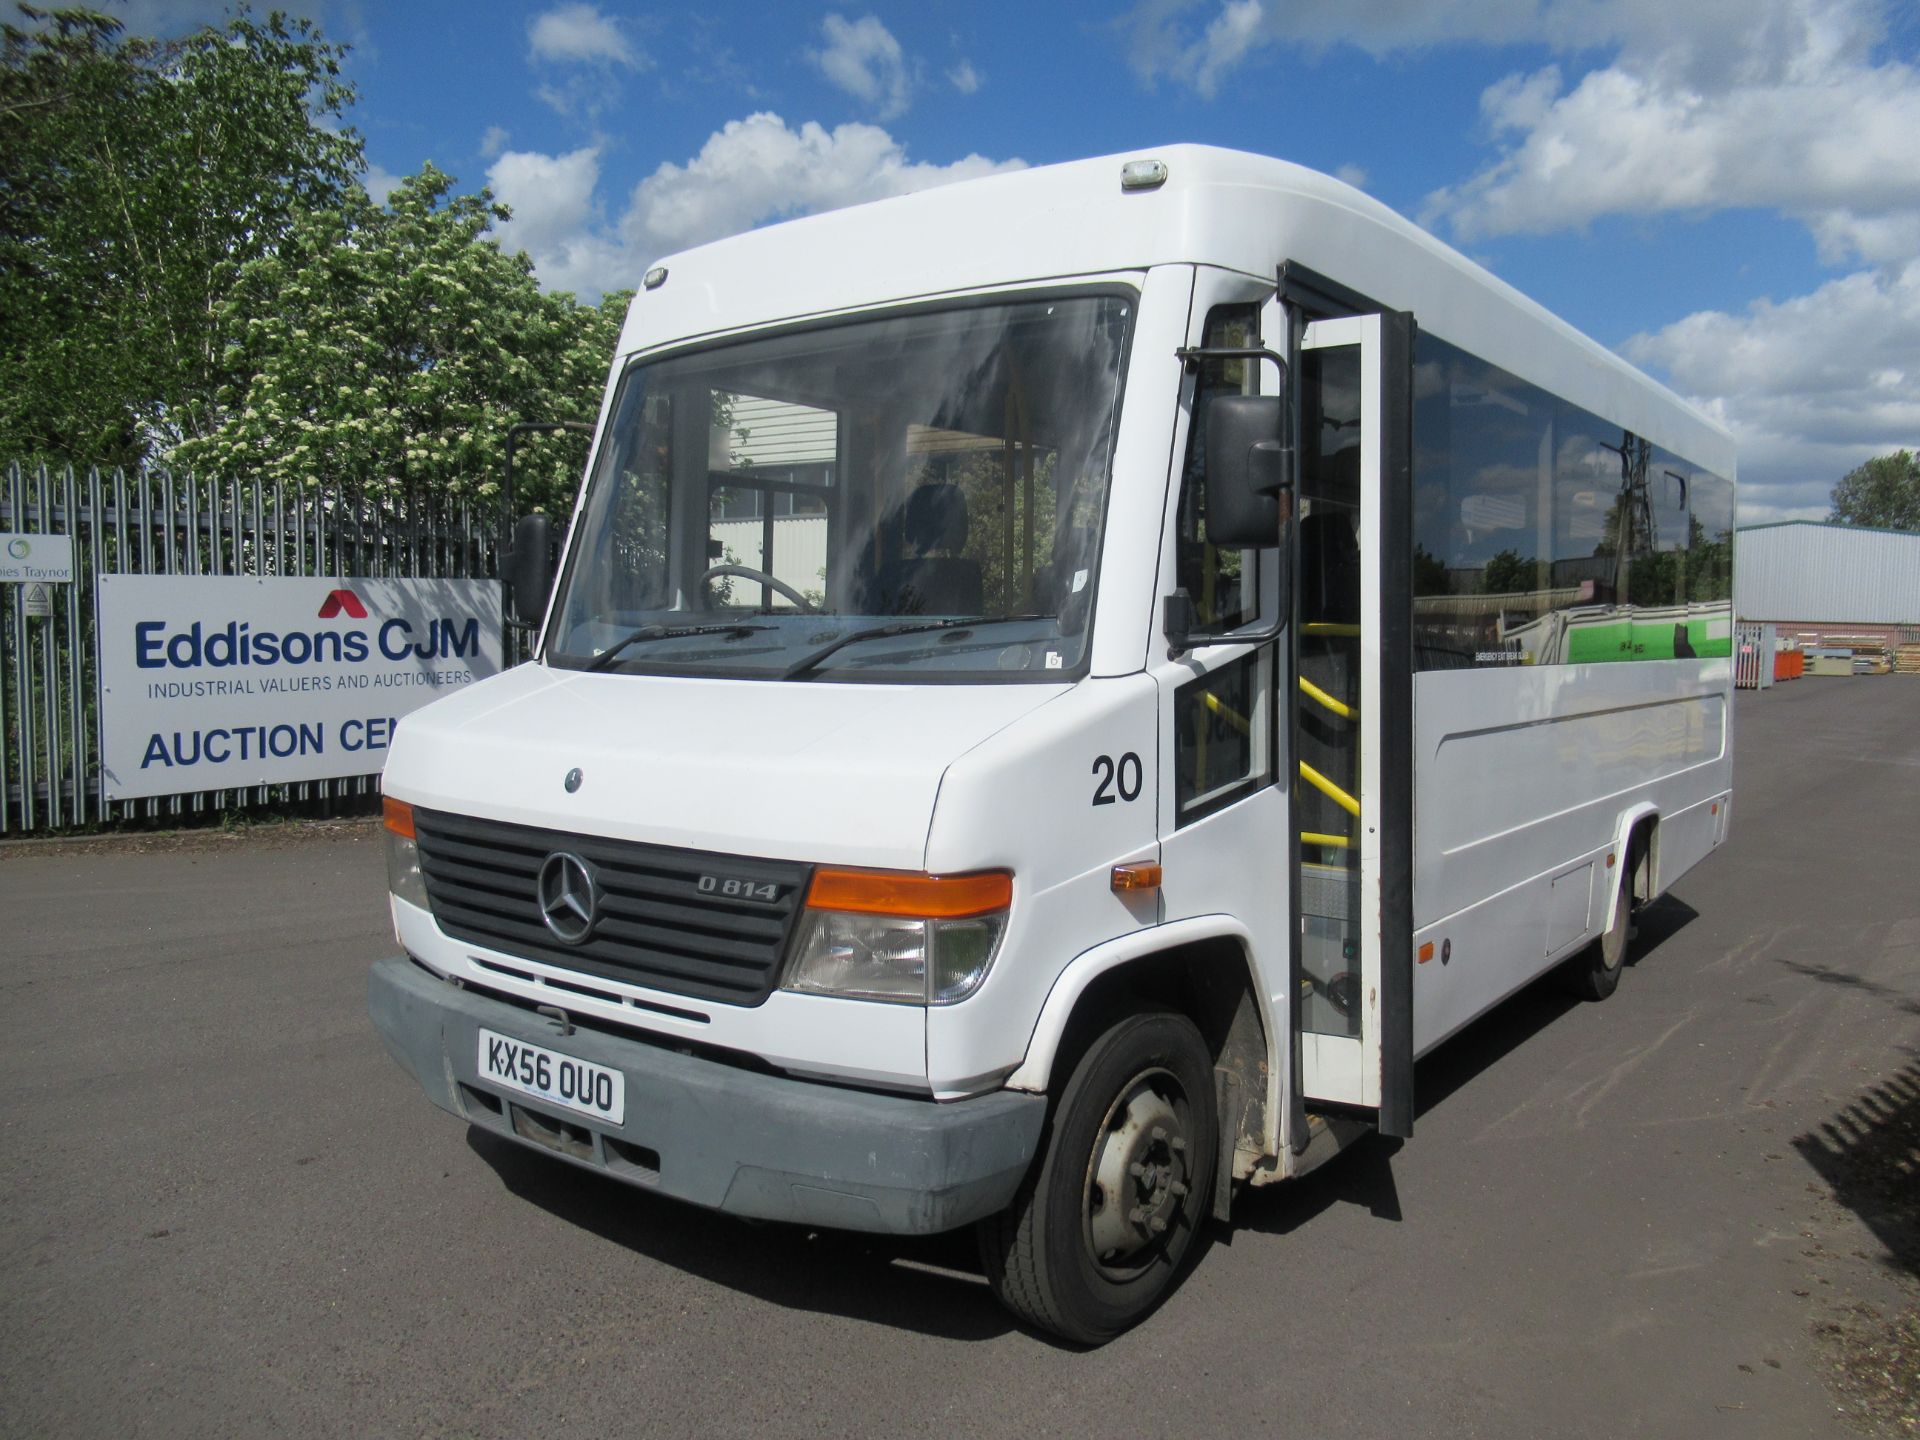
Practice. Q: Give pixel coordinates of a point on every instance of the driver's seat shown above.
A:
(919, 583)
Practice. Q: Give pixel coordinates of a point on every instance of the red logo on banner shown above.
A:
(342, 601)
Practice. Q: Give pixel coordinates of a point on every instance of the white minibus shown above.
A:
(1057, 690)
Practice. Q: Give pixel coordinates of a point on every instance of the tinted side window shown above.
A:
(1223, 739)
(1546, 535)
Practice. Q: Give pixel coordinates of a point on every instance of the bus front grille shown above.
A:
(681, 921)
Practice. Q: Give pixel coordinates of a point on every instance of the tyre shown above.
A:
(1098, 1232)
(1594, 973)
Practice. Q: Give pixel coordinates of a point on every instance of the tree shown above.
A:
(1884, 492)
(137, 178)
(1510, 573)
(388, 347)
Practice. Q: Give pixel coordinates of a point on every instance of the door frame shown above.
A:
(1386, 539)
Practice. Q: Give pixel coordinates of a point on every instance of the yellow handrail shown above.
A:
(1327, 788)
(1313, 837)
(1225, 711)
(1328, 627)
(1338, 707)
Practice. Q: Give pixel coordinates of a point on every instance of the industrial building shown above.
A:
(1817, 582)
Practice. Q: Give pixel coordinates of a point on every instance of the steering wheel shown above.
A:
(747, 572)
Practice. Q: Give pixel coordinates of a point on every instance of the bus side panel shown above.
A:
(1521, 776)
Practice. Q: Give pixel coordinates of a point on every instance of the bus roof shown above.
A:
(1217, 207)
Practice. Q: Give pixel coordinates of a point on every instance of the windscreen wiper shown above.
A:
(666, 632)
(809, 662)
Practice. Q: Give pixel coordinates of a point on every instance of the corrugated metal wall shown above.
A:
(776, 432)
(1808, 571)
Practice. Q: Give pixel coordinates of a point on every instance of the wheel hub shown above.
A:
(1139, 1177)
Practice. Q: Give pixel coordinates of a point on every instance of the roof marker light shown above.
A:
(654, 278)
(1143, 174)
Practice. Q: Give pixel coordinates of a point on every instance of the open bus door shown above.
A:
(1350, 681)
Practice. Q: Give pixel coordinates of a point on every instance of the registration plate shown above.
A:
(558, 1079)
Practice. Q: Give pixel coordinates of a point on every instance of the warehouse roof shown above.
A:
(1830, 525)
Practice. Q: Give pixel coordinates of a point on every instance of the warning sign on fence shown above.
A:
(224, 682)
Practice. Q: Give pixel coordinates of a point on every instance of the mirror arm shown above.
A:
(1194, 356)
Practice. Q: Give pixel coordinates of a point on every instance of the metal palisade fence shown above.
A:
(159, 522)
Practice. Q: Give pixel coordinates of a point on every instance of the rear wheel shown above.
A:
(1098, 1233)
(1594, 973)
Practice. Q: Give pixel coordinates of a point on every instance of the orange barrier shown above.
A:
(1788, 664)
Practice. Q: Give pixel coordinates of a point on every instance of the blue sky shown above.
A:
(1725, 191)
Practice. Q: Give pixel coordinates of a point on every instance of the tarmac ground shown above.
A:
(225, 1211)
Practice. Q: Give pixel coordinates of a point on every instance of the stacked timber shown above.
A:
(1871, 653)
(1906, 660)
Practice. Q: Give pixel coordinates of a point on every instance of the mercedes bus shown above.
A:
(1056, 691)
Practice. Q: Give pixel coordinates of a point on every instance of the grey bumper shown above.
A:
(731, 1139)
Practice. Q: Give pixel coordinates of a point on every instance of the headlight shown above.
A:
(403, 853)
(885, 935)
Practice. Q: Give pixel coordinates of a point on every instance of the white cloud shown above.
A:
(1699, 105)
(862, 58)
(578, 34)
(1705, 37)
(380, 182)
(1353, 175)
(557, 217)
(748, 173)
(580, 49)
(964, 78)
(759, 169)
(494, 141)
(1232, 33)
(1676, 106)
(551, 196)
(1626, 141)
(1810, 386)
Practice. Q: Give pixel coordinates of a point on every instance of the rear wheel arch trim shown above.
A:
(1642, 815)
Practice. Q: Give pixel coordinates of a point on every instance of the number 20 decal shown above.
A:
(1124, 776)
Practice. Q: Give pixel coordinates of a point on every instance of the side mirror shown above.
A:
(529, 569)
(1246, 469)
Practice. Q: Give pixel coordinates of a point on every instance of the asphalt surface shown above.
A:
(225, 1211)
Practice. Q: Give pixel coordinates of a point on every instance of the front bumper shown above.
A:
(734, 1140)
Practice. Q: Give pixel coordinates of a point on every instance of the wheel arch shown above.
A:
(1637, 834)
(1202, 968)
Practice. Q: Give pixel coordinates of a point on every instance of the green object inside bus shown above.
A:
(1642, 639)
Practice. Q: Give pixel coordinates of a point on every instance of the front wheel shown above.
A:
(1097, 1234)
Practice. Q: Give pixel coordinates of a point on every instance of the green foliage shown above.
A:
(1884, 492)
(1430, 573)
(390, 347)
(189, 272)
(1510, 573)
(1010, 577)
(137, 178)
